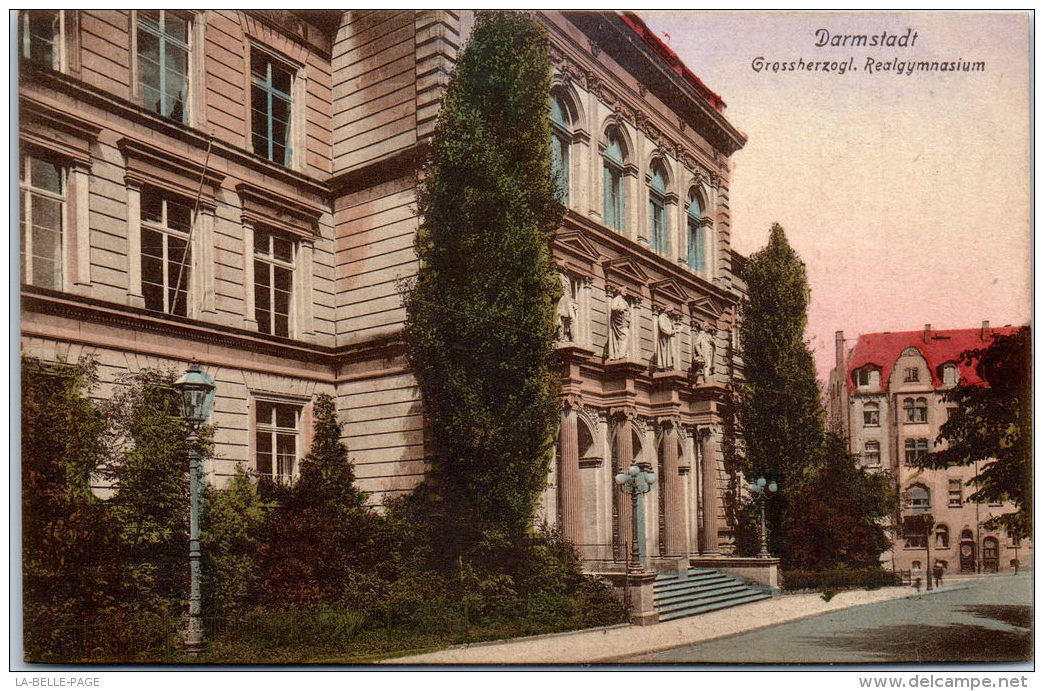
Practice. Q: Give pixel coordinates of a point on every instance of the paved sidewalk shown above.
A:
(616, 642)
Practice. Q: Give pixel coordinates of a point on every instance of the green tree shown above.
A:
(992, 425)
(320, 547)
(480, 315)
(840, 524)
(149, 468)
(72, 561)
(780, 412)
(233, 530)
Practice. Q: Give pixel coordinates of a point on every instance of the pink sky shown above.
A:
(908, 197)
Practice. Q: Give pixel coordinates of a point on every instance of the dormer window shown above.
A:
(868, 378)
(949, 374)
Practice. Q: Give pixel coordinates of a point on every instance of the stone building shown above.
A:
(239, 187)
(886, 397)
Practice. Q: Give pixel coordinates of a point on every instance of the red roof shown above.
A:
(671, 58)
(883, 349)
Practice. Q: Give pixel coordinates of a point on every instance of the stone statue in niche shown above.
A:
(619, 326)
(567, 311)
(703, 352)
(666, 331)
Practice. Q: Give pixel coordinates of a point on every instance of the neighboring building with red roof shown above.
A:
(885, 396)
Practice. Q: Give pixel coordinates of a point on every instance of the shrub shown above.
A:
(836, 579)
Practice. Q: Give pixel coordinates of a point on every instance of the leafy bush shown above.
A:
(836, 579)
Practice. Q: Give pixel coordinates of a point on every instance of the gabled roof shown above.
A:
(881, 350)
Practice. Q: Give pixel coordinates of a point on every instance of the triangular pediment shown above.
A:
(574, 243)
(707, 306)
(668, 290)
(626, 270)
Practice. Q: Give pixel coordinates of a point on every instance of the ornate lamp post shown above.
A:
(761, 488)
(196, 390)
(637, 481)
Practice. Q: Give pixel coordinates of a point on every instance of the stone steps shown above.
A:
(701, 590)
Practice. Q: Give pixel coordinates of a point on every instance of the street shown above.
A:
(989, 621)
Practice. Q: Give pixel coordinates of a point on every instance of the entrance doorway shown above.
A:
(967, 552)
(990, 555)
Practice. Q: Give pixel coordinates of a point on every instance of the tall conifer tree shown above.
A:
(480, 316)
(780, 413)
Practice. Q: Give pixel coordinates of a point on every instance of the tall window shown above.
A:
(613, 162)
(956, 489)
(658, 211)
(871, 415)
(872, 453)
(270, 97)
(942, 537)
(165, 255)
(278, 430)
(273, 282)
(920, 499)
(915, 410)
(949, 375)
(694, 222)
(915, 449)
(163, 50)
(38, 37)
(560, 124)
(41, 187)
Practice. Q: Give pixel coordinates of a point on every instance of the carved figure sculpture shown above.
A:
(665, 341)
(704, 359)
(567, 311)
(619, 326)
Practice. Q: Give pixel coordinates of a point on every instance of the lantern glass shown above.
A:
(761, 482)
(773, 487)
(621, 478)
(197, 394)
(633, 470)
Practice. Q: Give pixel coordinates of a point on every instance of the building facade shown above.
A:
(239, 187)
(886, 397)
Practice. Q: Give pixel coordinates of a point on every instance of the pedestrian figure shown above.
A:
(938, 573)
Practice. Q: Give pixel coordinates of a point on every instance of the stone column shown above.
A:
(570, 491)
(673, 487)
(709, 456)
(624, 455)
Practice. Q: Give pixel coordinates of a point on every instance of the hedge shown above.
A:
(834, 579)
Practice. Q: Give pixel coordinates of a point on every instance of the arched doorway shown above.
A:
(967, 552)
(990, 555)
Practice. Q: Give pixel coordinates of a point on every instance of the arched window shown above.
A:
(613, 162)
(920, 499)
(942, 536)
(658, 210)
(871, 415)
(694, 222)
(561, 123)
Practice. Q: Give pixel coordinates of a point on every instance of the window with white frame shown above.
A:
(915, 449)
(39, 37)
(872, 453)
(271, 106)
(612, 164)
(915, 410)
(871, 414)
(561, 123)
(163, 62)
(42, 194)
(956, 490)
(166, 259)
(920, 499)
(277, 440)
(274, 257)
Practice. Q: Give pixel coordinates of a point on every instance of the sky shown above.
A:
(907, 195)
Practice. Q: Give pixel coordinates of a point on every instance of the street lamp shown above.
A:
(637, 481)
(761, 488)
(196, 394)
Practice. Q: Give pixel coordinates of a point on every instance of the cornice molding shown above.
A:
(149, 164)
(261, 206)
